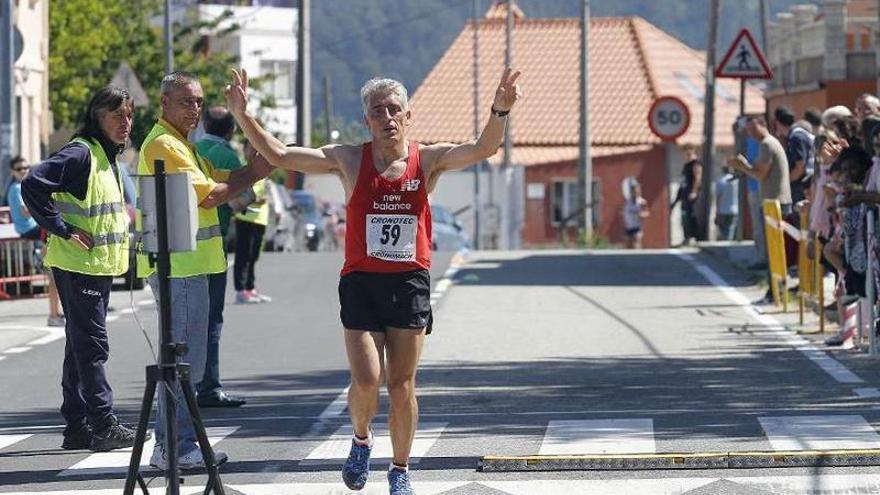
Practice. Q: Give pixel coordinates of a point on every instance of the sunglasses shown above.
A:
(19, 169)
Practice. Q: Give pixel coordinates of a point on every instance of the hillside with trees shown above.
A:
(353, 40)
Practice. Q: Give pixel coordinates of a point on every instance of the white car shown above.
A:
(446, 233)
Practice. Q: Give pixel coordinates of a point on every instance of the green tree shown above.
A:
(90, 38)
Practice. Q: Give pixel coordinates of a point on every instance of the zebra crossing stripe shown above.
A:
(837, 432)
(7, 440)
(599, 436)
(117, 460)
(338, 445)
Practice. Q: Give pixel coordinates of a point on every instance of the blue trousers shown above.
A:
(210, 382)
(189, 323)
(87, 396)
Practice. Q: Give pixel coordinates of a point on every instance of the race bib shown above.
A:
(392, 237)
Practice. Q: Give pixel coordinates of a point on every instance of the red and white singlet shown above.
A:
(388, 223)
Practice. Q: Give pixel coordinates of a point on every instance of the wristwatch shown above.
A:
(500, 113)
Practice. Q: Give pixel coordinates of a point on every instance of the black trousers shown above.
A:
(248, 242)
(87, 396)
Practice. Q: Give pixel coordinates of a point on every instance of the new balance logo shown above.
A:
(410, 185)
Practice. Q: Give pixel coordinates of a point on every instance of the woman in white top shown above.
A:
(635, 208)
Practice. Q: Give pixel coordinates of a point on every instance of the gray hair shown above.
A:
(178, 79)
(830, 115)
(379, 85)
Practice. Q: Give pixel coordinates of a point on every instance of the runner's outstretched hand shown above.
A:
(508, 91)
(236, 92)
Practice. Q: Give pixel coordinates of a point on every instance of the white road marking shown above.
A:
(336, 408)
(828, 364)
(867, 393)
(7, 440)
(820, 432)
(17, 350)
(338, 445)
(810, 483)
(54, 333)
(117, 460)
(599, 436)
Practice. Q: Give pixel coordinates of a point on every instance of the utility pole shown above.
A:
(477, 166)
(509, 223)
(303, 86)
(585, 162)
(169, 39)
(7, 89)
(709, 124)
(328, 109)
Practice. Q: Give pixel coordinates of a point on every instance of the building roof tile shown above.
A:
(631, 63)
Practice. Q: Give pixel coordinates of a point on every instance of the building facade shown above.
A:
(33, 121)
(823, 55)
(632, 63)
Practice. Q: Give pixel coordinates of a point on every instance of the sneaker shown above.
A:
(767, 299)
(56, 321)
(80, 439)
(115, 436)
(835, 340)
(356, 469)
(398, 482)
(261, 297)
(245, 297)
(187, 462)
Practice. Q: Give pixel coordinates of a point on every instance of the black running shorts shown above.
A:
(376, 301)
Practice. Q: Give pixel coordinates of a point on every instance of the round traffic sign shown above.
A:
(669, 118)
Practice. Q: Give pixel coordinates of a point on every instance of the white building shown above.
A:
(266, 45)
(31, 116)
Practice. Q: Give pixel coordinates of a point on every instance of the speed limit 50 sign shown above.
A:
(669, 118)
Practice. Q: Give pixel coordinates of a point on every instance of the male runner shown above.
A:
(384, 289)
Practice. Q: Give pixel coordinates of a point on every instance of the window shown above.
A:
(564, 202)
(283, 73)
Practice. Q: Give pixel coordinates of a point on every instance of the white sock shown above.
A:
(400, 468)
(368, 442)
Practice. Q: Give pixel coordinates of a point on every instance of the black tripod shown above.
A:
(168, 372)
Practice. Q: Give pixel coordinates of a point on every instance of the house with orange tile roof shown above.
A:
(632, 62)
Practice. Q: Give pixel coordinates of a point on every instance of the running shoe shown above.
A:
(245, 297)
(79, 439)
(398, 482)
(115, 436)
(56, 321)
(262, 297)
(189, 461)
(356, 469)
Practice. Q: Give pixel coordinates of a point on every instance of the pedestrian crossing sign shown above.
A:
(744, 60)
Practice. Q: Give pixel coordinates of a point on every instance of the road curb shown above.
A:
(672, 461)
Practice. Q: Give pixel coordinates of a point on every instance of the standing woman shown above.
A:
(76, 195)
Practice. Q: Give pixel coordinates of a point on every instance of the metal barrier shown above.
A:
(810, 274)
(19, 262)
(773, 228)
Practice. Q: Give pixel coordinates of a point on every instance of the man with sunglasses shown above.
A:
(182, 102)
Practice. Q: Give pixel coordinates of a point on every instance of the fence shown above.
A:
(20, 263)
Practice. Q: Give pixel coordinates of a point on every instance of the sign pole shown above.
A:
(7, 89)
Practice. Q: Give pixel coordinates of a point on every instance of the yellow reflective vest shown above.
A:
(208, 256)
(101, 214)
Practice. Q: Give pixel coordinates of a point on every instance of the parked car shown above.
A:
(446, 233)
(310, 221)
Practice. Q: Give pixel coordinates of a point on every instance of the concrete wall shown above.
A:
(647, 167)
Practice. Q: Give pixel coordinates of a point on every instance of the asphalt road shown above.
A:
(537, 352)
